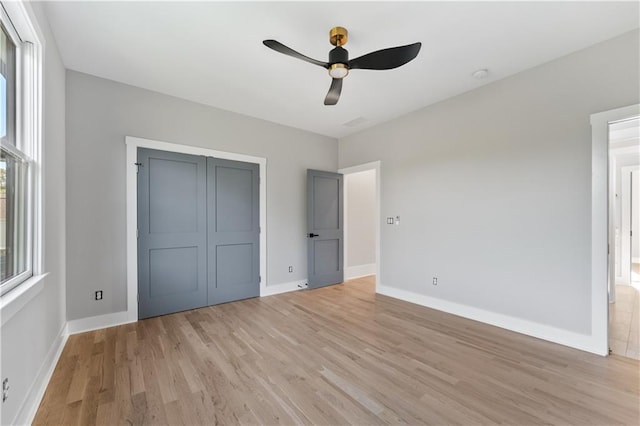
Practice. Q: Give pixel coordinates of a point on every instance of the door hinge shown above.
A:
(259, 279)
(138, 165)
(137, 233)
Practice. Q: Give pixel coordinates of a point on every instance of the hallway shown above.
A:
(624, 319)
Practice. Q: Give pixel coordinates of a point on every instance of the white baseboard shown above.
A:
(283, 288)
(359, 271)
(552, 334)
(29, 408)
(100, 321)
(118, 318)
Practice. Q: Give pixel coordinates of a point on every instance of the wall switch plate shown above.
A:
(98, 295)
(435, 280)
(389, 221)
(290, 268)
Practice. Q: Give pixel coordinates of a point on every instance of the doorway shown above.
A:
(601, 227)
(362, 222)
(624, 236)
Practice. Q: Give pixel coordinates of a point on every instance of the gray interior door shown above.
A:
(324, 228)
(172, 232)
(234, 230)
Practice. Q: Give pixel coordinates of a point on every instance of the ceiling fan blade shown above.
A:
(386, 59)
(334, 92)
(279, 47)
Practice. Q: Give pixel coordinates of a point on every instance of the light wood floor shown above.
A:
(332, 356)
(624, 322)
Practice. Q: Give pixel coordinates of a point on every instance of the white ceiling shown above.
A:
(212, 52)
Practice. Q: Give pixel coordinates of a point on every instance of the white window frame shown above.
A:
(28, 131)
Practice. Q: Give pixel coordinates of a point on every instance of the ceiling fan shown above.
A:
(339, 63)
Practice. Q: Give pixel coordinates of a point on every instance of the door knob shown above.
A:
(311, 235)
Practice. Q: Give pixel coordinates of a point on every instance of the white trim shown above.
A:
(27, 411)
(377, 166)
(132, 145)
(284, 288)
(345, 226)
(552, 334)
(358, 271)
(373, 165)
(98, 322)
(612, 210)
(12, 302)
(23, 20)
(28, 128)
(599, 223)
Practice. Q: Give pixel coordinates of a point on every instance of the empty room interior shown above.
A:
(319, 212)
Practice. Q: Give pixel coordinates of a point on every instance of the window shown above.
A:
(18, 152)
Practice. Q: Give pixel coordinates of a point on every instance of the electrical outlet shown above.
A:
(290, 268)
(435, 280)
(5, 389)
(98, 295)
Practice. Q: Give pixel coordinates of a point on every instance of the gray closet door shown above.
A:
(233, 230)
(172, 232)
(324, 228)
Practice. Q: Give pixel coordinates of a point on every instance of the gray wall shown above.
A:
(31, 336)
(100, 113)
(361, 225)
(494, 187)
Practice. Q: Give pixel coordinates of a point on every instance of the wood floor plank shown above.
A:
(336, 355)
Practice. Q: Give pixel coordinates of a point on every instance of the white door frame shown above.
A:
(374, 165)
(132, 145)
(600, 226)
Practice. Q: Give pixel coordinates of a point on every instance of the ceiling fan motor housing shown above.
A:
(338, 55)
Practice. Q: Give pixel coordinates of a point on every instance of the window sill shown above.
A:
(13, 302)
